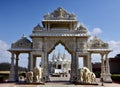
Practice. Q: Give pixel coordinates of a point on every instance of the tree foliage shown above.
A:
(6, 67)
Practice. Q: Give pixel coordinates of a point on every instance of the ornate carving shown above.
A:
(22, 43)
(67, 42)
(82, 29)
(38, 43)
(60, 13)
(96, 43)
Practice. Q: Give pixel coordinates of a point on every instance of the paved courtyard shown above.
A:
(59, 82)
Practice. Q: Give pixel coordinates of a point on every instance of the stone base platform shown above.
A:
(34, 83)
(80, 83)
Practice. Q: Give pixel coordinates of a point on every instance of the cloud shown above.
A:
(115, 46)
(97, 31)
(4, 54)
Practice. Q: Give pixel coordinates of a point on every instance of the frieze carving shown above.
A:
(68, 43)
(38, 43)
(60, 13)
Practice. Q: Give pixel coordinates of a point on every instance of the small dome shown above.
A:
(37, 28)
(82, 29)
(97, 43)
(23, 42)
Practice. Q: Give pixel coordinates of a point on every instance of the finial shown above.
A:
(23, 36)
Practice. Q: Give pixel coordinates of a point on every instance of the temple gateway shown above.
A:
(60, 27)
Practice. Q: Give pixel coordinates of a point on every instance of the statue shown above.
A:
(29, 77)
(86, 76)
(37, 74)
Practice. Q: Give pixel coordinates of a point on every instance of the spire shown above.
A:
(23, 36)
(54, 57)
(59, 56)
(64, 56)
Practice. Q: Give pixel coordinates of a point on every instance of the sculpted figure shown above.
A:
(86, 76)
(93, 77)
(29, 77)
(37, 74)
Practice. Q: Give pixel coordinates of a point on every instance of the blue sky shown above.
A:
(18, 17)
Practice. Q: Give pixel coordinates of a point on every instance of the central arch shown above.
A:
(57, 43)
(59, 64)
(70, 45)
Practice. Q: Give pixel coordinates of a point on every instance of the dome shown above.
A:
(97, 43)
(37, 28)
(82, 29)
(23, 42)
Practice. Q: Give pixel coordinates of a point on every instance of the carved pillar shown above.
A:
(12, 73)
(45, 26)
(107, 65)
(74, 68)
(107, 72)
(31, 62)
(34, 62)
(102, 66)
(42, 60)
(77, 67)
(28, 61)
(48, 26)
(16, 67)
(45, 68)
(90, 63)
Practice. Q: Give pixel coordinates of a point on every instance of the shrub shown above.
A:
(115, 77)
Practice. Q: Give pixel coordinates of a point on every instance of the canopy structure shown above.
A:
(62, 27)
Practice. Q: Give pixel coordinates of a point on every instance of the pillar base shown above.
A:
(11, 80)
(73, 79)
(107, 78)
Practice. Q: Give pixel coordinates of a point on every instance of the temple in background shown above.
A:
(60, 65)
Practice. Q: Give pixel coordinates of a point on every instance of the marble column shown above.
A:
(42, 60)
(16, 67)
(90, 63)
(34, 62)
(102, 66)
(12, 71)
(107, 72)
(45, 68)
(74, 68)
(31, 62)
(107, 65)
(28, 61)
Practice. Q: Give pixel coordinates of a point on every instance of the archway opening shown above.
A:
(96, 64)
(59, 64)
(38, 61)
(23, 62)
(81, 62)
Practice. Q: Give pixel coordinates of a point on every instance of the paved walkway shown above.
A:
(59, 82)
(58, 85)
